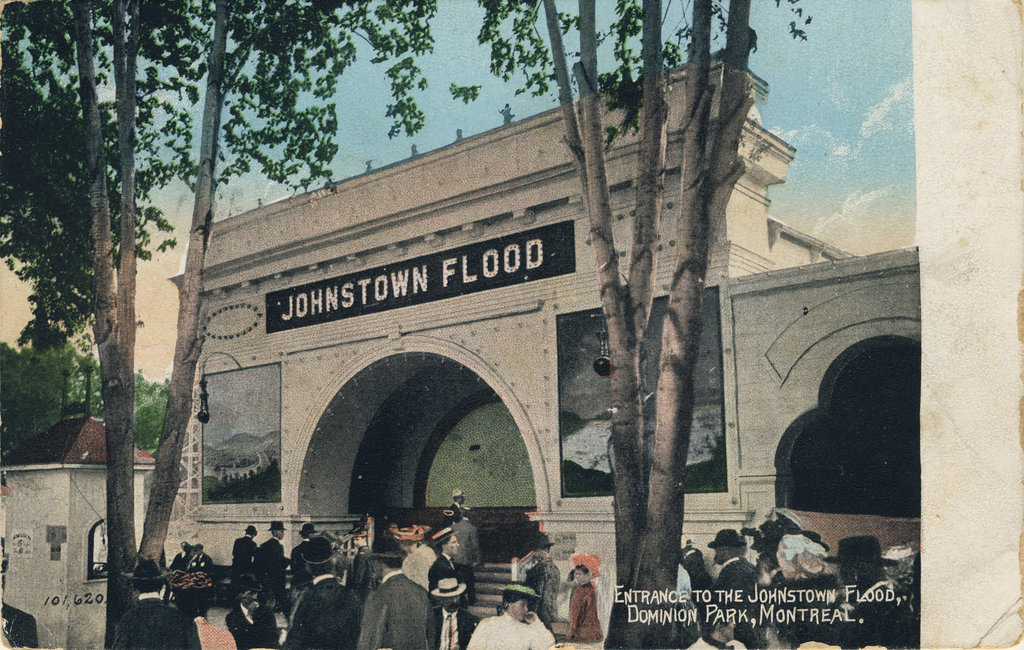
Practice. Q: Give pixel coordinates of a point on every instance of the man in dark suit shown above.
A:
(453, 624)
(242, 553)
(446, 544)
(251, 622)
(270, 565)
(736, 574)
(327, 615)
(151, 623)
(301, 575)
(397, 615)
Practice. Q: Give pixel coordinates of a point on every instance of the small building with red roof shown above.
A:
(54, 505)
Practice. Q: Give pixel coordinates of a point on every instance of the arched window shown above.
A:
(97, 558)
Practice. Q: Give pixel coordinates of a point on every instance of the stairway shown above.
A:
(491, 579)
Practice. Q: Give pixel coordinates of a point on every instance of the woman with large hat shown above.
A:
(516, 627)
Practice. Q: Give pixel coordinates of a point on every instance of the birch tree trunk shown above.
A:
(649, 506)
(188, 346)
(117, 373)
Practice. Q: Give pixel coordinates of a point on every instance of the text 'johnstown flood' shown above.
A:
(504, 261)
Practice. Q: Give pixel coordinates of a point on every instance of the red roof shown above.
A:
(75, 441)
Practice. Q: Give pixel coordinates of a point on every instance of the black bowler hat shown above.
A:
(147, 570)
(729, 538)
(250, 530)
(147, 576)
(276, 525)
(543, 543)
(860, 549)
(386, 546)
(245, 582)
(307, 529)
(318, 550)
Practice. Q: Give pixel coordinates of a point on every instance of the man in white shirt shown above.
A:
(517, 628)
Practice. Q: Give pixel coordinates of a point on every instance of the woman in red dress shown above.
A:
(584, 625)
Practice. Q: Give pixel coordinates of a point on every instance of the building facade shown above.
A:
(421, 327)
(55, 538)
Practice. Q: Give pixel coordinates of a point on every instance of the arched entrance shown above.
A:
(858, 452)
(407, 429)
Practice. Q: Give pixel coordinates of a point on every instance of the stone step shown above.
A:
(490, 587)
(490, 574)
(489, 599)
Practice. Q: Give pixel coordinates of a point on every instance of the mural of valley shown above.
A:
(242, 440)
(584, 402)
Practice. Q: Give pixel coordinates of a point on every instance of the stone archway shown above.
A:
(858, 451)
(389, 419)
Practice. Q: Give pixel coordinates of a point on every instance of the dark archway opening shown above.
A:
(405, 431)
(859, 451)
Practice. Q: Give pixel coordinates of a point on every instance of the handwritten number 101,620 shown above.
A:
(87, 599)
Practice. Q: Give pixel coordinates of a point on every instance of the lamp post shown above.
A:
(203, 415)
(603, 365)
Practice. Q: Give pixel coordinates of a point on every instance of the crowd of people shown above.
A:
(856, 598)
(415, 589)
(412, 589)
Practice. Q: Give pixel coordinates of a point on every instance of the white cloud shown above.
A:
(840, 151)
(879, 117)
(852, 211)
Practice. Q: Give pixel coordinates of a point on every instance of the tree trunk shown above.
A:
(710, 169)
(117, 377)
(167, 476)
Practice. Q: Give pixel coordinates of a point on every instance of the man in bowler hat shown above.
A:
(301, 576)
(242, 553)
(736, 574)
(270, 565)
(250, 621)
(152, 623)
(328, 614)
(397, 615)
(544, 578)
(883, 617)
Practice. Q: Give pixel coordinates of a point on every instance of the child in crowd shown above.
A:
(584, 625)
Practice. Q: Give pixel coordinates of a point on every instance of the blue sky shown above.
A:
(843, 98)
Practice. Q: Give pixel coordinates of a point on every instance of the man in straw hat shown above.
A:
(151, 623)
(327, 615)
(516, 628)
(397, 615)
(453, 623)
(446, 545)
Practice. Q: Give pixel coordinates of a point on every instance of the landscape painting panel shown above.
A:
(242, 440)
(584, 399)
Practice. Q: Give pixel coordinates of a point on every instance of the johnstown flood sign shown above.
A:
(513, 259)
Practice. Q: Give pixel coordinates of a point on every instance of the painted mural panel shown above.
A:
(242, 440)
(584, 399)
